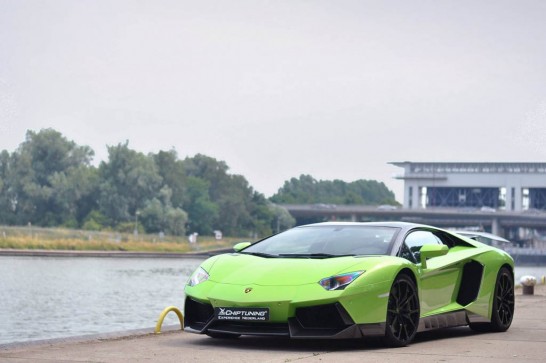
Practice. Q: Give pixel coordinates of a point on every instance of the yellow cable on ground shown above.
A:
(164, 313)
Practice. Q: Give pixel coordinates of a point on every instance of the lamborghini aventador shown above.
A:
(352, 280)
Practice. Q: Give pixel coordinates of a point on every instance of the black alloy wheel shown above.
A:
(402, 312)
(503, 305)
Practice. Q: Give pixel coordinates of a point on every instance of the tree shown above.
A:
(294, 191)
(211, 170)
(40, 175)
(307, 190)
(157, 217)
(202, 212)
(8, 201)
(238, 210)
(75, 191)
(282, 219)
(171, 170)
(129, 180)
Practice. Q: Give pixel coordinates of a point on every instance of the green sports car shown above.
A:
(352, 280)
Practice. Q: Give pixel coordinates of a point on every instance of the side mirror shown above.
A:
(429, 251)
(241, 245)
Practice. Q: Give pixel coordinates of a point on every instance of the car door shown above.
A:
(438, 281)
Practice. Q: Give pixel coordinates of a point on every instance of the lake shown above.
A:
(50, 297)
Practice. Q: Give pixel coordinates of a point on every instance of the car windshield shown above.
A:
(326, 241)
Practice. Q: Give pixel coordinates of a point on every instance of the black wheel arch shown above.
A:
(409, 273)
(509, 267)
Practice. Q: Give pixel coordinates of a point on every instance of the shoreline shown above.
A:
(110, 254)
(152, 254)
(113, 335)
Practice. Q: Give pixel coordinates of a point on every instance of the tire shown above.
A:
(402, 312)
(502, 309)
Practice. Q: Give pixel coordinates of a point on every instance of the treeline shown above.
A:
(49, 181)
(307, 190)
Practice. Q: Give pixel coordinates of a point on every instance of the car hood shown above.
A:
(240, 269)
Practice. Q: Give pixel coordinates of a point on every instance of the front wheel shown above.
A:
(402, 312)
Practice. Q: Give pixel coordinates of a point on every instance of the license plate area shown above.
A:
(241, 314)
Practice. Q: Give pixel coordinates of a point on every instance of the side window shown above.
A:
(406, 253)
(415, 240)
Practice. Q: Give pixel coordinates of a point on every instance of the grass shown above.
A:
(33, 238)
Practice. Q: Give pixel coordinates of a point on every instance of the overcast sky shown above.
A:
(335, 89)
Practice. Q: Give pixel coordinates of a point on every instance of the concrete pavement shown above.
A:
(525, 341)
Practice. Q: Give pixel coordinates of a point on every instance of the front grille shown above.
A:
(197, 314)
(322, 317)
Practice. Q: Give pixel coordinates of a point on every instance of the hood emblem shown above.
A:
(248, 289)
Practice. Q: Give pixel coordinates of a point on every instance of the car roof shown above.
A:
(404, 225)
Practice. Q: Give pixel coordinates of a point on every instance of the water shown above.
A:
(44, 298)
(536, 271)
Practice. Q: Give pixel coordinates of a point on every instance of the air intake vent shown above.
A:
(197, 314)
(470, 283)
(322, 317)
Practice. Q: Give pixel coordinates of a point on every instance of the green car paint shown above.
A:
(399, 285)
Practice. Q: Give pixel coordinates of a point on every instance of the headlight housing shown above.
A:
(339, 282)
(199, 276)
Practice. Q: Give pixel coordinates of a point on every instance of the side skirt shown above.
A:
(447, 320)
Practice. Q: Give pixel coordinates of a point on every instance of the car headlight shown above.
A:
(199, 276)
(339, 282)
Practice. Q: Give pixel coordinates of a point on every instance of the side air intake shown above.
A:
(471, 281)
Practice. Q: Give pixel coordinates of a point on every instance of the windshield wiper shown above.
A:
(311, 255)
(259, 254)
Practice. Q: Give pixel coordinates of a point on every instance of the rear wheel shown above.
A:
(402, 312)
(503, 304)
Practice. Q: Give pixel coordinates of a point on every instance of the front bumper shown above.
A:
(320, 321)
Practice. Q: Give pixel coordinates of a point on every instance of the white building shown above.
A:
(507, 186)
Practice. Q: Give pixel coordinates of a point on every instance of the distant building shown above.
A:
(488, 186)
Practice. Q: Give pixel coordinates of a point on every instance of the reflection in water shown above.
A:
(43, 298)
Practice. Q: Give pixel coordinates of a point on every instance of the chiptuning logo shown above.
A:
(241, 313)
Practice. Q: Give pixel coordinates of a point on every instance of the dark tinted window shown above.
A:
(415, 240)
(330, 240)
